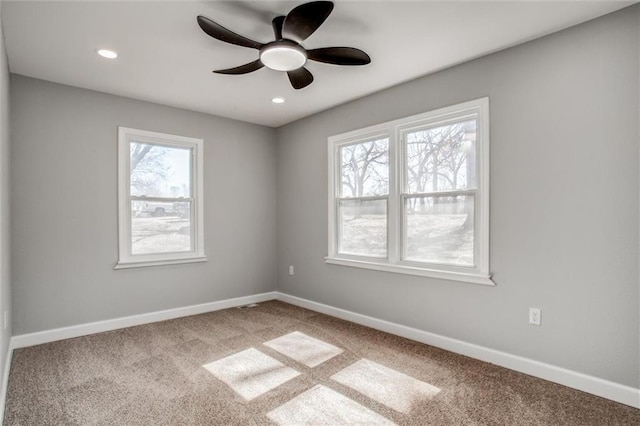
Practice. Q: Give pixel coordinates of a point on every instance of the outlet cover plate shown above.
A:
(535, 316)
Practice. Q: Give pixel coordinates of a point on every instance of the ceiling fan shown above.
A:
(286, 53)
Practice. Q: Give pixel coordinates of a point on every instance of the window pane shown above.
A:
(441, 158)
(440, 229)
(364, 169)
(160, 227)
(160, 171)
(363, 227)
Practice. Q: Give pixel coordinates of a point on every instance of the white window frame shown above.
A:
(394, 130)
(126, 258)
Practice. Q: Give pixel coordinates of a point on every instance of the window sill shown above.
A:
(411, 270)
(142, 264)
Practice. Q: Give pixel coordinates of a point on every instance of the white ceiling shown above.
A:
(166, 58)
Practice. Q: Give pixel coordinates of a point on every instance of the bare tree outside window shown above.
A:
(440, 172)
(148, 169)
(160, 204)
(411, 195)
(364, 170)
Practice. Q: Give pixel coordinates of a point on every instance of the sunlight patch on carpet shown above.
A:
(251, 373)
(385, 385)
(323, 406)
(305, 349)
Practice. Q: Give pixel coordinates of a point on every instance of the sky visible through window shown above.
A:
(160, 171)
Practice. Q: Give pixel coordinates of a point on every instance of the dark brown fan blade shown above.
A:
(339, 56)
(219, 32)
(242, 69)
(303, 20)
(300, 78)
(277, 26)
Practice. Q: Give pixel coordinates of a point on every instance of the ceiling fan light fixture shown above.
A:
(283, 57)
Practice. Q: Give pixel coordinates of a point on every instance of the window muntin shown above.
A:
(423, 208)
(160, 199)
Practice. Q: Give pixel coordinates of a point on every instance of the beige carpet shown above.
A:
(279, 364)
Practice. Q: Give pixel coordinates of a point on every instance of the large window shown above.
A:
(160, 199)
(412, 195)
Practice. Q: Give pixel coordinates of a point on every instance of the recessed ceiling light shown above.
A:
(106, 53)
(277, 100)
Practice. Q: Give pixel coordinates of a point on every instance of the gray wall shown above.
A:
(564, 203)
(64, 206)
(5, 230)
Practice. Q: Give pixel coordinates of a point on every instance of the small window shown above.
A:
(412, 195)
(160, 199)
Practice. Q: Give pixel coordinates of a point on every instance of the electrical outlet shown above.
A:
(535, 316)
(290, 269)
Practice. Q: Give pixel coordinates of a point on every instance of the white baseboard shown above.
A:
(5, 380)
(583, 382)
(30, 339)
(593, 385)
